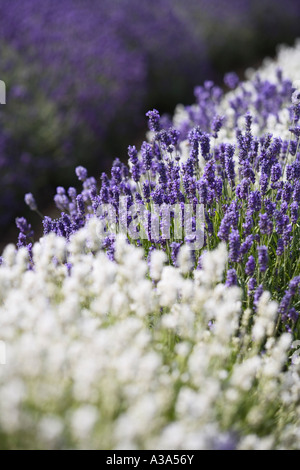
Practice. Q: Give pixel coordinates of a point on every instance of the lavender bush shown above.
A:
(105, 344)
(67, 80)
(236, 154)
(74, 72)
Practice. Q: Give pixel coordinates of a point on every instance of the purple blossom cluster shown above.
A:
(78, 71)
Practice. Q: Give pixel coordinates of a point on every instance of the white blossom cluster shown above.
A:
(125, 355)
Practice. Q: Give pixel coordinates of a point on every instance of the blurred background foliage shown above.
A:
(80, 75)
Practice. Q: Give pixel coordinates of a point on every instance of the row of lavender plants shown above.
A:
(110, 345)
(79, 71)
(76, 73)
(237, 155)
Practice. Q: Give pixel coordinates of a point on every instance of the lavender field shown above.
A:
(151, 297)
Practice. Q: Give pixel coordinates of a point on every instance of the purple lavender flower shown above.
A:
(294, 285)
(72, 193)
(294, 212)
(174, 135)
(231, 279)
(263, 258)
(231, 79)
(234, 212)
(194, 140)
(175, 247)
(165, 140)
(146, 190)
(153, 120)
(276, 172)
(225, 226)
(205, 146)
(132, 154)
(296, 193)
(296, 170)
(203, 190)
(209, 173)
(61, 199)
(250, 266)
(24, 226)
(295, 130)
(161, 169)
(147, 155)
(246, 245)
(257, 294)
(254, 201)
(251, 285)
(287, 234)
(242, 189)
(81, 173)
(292, 315)
(219, 187)
(229, 163)
(289, 172)
(264, 182)
(116, 175)
(269, 206)
(22, 240)
(265, 224)
(30, 201)
(284, 306)
(280, 221)
(280, 247)
(248, 224)
(287, 192)
(216, 125)
(80, 205)
(48, 225)
(234, 246)
(247, 171)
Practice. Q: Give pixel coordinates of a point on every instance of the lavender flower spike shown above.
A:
(81, 173)
(231, 279)
(263, 258)
(154, 118)
(30, 201)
